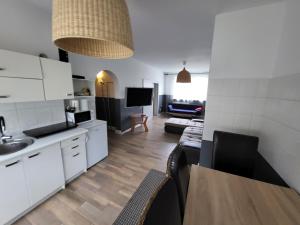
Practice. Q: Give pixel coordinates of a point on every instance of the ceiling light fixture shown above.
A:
(98, 28)
(184, 76)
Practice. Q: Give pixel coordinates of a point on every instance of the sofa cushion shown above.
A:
(193, 130)
(177, 122)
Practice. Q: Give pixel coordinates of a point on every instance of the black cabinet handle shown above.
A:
(2, 68)
(35, 155)
(11, 164)
(75, 139)
(4, 96)
(75, 147)
(76, 155)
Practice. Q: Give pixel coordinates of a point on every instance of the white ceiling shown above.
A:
(166, 32)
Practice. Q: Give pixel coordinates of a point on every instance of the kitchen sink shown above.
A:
(16, 145)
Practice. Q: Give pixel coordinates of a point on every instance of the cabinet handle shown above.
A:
(35, 155)
(69, 94)
(4, 96)
(2, 68)
(75, 147)
(11, 164)
(76, 155)
(75, 139)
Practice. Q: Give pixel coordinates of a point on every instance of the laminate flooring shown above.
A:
(98, 196)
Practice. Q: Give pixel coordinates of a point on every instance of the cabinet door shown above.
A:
(13, 64)
(97, 148)
(20, 90)
(44, 172)
(58, 81)
(14, 198)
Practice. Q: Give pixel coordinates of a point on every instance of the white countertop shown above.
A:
(92, 123)
(44, 142)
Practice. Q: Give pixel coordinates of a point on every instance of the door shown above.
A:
(97, 146)
(58, 83)
(14, 198)
(156, 99)
(20, 90)
(14, 64)
(44, 172)
(148, 110)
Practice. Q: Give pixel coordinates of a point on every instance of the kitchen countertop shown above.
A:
(44, 142)
(91, 123)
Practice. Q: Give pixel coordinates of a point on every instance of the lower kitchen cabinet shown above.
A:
(44, 172)
(74, 158)
(32, 178)
(14, 198)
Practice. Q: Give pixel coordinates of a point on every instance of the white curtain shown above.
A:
(197, 90)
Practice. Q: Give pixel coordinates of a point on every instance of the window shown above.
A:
(197, 90)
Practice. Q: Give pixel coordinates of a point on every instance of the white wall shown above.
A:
(26, 28)
(264, 85)
(244, 49)
(280, 126)
(130, 72)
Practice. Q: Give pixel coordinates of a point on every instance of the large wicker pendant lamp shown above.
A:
(99, 28)
(184, 76)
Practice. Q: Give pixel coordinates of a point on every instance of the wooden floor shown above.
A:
(98, 196)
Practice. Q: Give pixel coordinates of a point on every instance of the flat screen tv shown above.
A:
(138, 97)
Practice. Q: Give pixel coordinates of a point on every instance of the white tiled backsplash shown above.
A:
(29, 115)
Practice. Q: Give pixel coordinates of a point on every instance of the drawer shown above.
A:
(76, 140)
(75, 147)
(74, 163)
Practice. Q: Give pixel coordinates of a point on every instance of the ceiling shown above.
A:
(166, 32)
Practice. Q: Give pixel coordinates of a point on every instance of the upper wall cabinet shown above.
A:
(13, 64)
(57, 77)
(20, 90)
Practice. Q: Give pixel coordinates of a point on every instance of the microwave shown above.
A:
(78, 117)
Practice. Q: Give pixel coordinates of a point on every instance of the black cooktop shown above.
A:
(48, 130)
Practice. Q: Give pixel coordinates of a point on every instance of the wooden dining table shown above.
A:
(218, 198)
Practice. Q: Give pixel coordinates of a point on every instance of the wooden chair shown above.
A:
(137, 119)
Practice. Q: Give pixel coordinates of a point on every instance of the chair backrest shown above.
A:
(234, 153)
(164, 208)
(154, 202)
(179, 170)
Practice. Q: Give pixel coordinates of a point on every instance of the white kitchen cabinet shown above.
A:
(14, 64)
(20, 90)
(44, 172)
(14, 198)
(57, 78)
(74, 158)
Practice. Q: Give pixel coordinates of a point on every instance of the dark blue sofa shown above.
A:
(185, 110)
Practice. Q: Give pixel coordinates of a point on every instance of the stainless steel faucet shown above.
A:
(2, 126)
(3, 137)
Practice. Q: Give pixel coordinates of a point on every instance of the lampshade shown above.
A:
(99, 28)
(184, 76)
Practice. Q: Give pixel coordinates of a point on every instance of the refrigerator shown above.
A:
(97, 144)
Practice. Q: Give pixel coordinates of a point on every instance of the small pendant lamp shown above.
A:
(98, 28)
(184, 76)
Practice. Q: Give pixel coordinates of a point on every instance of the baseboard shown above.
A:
(126, 131)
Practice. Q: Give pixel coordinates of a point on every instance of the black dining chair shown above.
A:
(164, 208)
(234, 153)
(179, 170)
(155, 202)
